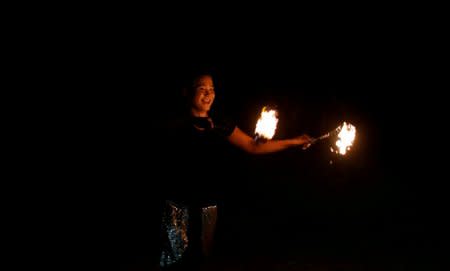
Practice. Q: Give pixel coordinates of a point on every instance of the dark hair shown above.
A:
(188, 82)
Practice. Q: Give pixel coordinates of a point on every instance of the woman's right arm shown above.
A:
(248, 144)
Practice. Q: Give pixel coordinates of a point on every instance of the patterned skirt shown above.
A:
(187, 233)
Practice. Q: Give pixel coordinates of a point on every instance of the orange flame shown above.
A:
(267, 123)
(346, 136)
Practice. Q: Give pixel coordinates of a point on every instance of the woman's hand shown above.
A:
(304, 140)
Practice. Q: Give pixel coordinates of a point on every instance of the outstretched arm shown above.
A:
(246, 143)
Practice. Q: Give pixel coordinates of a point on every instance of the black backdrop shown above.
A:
(380, 201)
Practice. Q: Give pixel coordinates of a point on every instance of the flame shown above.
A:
(346, 136)
(267, 123)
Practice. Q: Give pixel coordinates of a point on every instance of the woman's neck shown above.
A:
(196, 113)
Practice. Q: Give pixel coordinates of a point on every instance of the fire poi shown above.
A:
(345, 136)
(266, 125)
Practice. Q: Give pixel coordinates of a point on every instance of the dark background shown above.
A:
(382, 202)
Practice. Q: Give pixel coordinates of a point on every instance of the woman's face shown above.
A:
(204, 95)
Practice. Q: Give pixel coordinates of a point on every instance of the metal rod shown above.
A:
(331, 133)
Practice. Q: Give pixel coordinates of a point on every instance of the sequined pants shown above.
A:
(187, 234)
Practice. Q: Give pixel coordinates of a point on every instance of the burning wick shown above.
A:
(345, 133)
(266, 125)
(346, 136)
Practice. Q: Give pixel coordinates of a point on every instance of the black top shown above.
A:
(198, 159)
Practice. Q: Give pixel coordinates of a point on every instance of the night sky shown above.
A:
(381, 201)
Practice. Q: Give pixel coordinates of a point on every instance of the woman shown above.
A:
(189, 216)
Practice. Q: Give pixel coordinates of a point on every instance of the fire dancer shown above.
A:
(190, 213)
